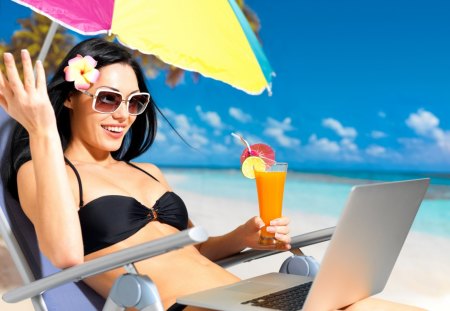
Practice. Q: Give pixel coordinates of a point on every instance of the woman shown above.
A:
(71, 172)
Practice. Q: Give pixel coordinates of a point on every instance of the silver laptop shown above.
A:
(357, 263)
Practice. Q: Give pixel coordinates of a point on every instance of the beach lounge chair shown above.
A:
(52, 289)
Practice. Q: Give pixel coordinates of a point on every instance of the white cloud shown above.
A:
(323, 145)
(378, 134)
(376, 151)
(348, 144)
(285, 125)
(418, 151)
(193, 134)
(277, 130)
(344, 149)
(426, 125)
(160, 136)
(382, 114)
(218, 148)
(212, 118)
(239, 115)
(443, 139)
(422, 122)
(411, 143)
(198, 139)
(282, 138)
(335, 125)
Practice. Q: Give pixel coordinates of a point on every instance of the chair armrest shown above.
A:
(298, 241)
(108, 262)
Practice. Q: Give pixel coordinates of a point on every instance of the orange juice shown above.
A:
(270, 188)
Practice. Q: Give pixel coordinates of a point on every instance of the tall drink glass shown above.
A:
(270, 188)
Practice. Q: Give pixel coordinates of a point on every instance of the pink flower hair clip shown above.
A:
(81, 70)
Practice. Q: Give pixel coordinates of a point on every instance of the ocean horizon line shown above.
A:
(341, 175)
(355, 173)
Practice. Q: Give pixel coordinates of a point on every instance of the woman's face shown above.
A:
(96, 131)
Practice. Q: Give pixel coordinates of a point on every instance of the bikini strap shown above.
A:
(80, 186)
(145, 172)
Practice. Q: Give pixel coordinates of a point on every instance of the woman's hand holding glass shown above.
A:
(280, 227)
(27, 101)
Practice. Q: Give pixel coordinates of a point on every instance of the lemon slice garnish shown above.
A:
(252, 164)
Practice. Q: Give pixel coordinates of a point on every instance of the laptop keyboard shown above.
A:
(290, 299)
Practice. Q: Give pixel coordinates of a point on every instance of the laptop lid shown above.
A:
(358, 261)
(366, 243)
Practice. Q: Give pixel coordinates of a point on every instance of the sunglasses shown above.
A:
(109, 101)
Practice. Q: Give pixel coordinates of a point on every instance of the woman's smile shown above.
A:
(115, 131)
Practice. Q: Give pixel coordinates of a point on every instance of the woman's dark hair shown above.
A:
(138, 139)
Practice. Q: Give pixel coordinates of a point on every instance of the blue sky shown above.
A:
(359, 85)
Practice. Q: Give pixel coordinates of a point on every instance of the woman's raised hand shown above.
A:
(26, 101)
(280, 227)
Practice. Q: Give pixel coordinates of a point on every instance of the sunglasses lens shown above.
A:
(107, 101)
(138, 103)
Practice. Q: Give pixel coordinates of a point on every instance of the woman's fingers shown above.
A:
(28, 74)
(282, 221)
(259, 223)
(281, 229)
(3, 101)
(283, 238)
(41, 83)
(278, 229)
(26, 102)
(279, 225)
(4, 92)
(13, 76)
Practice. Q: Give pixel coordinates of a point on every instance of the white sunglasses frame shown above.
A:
(126, 100)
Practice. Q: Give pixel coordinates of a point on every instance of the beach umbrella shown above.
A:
(211, 37)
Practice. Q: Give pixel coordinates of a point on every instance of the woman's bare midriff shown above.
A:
(173, 272)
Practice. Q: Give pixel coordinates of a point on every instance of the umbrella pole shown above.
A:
(48, 41)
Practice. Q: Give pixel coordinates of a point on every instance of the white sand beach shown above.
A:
(420, 276)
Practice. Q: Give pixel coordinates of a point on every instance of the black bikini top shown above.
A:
(110, 219)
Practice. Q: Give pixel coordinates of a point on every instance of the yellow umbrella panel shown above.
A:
(211, 37)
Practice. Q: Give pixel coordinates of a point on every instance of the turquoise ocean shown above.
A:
(322, 193)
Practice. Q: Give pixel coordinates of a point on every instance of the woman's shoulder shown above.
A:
(26, 168)
(154, 171)
(26, 178)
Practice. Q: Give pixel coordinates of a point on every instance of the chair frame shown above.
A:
(34, 289)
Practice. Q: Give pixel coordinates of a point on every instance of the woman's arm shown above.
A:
(43, 183)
